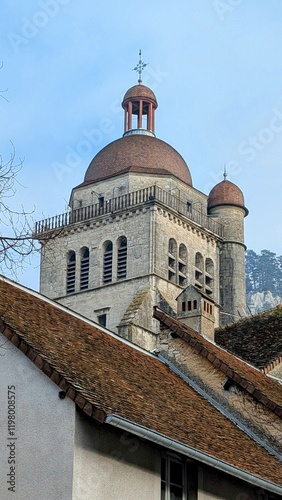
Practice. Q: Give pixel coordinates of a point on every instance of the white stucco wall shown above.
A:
(41, 448)
(113, 465)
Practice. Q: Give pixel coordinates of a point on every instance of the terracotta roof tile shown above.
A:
(137, 153)
(108, 376)
(140, 91)
(226, 193)
(257, 339)
(240, 370)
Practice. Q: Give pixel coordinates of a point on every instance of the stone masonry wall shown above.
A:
(130, 182)
(242, 405)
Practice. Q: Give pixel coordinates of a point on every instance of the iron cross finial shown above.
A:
(140, 66)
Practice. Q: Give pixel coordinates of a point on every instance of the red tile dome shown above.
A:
(137, 153)
(226, 193)
(140, 92)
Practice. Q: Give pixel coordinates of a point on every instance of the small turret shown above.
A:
(226, 202)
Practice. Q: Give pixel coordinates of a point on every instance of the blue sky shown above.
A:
(214, 65)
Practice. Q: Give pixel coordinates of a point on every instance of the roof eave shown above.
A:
(171, 444)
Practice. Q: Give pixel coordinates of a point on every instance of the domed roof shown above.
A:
(137, 153)
(140, 92)
(226, 193)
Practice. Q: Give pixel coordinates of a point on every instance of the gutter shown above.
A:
(176, 446)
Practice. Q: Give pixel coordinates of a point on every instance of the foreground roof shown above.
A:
(105, 375)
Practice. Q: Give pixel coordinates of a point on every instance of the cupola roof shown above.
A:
(140, 91)
(226, 193)
(138, 150)
(137, 153)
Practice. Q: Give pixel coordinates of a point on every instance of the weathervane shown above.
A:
(224, 173)
(140, 66)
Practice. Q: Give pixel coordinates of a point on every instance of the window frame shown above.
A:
(189, 484)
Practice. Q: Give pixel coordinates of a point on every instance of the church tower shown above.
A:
(138, 234)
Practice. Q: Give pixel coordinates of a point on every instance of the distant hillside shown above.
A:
(263, 280)
(262, 301)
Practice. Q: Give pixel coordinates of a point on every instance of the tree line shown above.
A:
(263, 272)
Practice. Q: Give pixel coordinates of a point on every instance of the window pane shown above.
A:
(176, 473)
(102, 319)
(163, 469)
(176, 492)
(192, 472)
(163, 491)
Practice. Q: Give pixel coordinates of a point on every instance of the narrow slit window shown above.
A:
(122, 259)
(182, 265)
(199, 270)
(172, 255)
(71, 272)
(209, 276)
(108, 262)
(84, 269)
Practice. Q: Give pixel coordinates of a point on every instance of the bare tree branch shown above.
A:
(16, 226)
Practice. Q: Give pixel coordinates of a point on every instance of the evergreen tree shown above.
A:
(263, 272)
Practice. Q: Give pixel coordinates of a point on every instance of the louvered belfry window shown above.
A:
(108, 262)
(84, 268)
(122, 258)
(172, 254)
(71, 272)
(199, 270)
(182, 265)
(209, 276)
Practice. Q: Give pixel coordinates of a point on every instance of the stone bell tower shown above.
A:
(138, 234)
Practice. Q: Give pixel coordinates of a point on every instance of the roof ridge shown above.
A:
(69, 311)
(201, 346)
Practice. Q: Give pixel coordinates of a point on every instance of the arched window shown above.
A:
(209, 275)
(199, 270)
(182, 265)
(71, 272)
(108, 262)
(122, 258)
(172, 255)
(84, 268)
